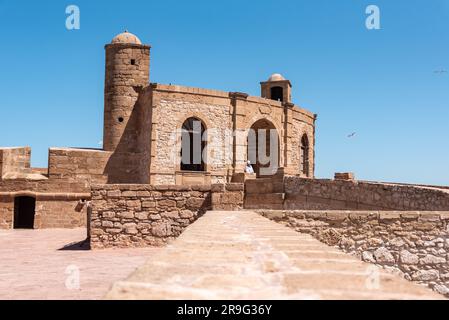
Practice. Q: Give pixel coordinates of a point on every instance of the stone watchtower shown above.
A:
(277, 88)
(127, 73)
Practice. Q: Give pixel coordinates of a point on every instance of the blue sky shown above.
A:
(380, 84)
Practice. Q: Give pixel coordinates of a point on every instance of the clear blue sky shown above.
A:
(380, 84)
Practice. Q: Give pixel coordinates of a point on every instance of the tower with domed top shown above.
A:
(277, 88)
(127, 72)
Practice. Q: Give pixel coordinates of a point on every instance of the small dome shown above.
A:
(276, 77)
(126, 37)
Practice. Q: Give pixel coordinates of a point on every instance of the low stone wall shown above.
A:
(318, 194)
(144, 215)
(415, 243)
(228, 197)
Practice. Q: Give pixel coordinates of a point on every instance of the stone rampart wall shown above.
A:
(316, 194)
(414, 243)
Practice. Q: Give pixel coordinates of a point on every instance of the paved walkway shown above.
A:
(241, 255)
(32, 266)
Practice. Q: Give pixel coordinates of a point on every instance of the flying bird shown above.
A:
(352, 135)
(440, 71)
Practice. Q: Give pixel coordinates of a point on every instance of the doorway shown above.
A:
(24, 212)
(264, 148)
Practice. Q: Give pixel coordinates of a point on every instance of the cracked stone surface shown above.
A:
(241, 255)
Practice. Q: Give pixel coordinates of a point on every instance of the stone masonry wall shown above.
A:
(169, 114)
(414, 243)
(144, 215)
(6, 214)
(78, 165)
(14, 160)
(315, 194)
(62, 214)
(228, 197)
(57, 202)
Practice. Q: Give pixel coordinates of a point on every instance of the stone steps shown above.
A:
(259, 186)
(274, 201)
(243, 256)
(264, 193)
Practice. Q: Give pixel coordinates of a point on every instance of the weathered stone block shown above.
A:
(408, 258)
(384, 256)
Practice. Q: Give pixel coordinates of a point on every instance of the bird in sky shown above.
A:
(440, 71)
(352, 135)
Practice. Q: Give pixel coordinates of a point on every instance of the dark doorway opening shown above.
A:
(193, 145)
(277, 93)
(24, 211)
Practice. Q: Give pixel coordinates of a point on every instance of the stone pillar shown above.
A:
(288, 136)
(240, 149)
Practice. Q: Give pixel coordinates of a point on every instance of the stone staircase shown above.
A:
(265, 193)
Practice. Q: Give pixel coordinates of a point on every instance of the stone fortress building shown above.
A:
(139, 190)
(141, 146)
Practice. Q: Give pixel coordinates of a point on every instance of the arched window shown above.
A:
(193, 144)
(277, 93)
(305, 155)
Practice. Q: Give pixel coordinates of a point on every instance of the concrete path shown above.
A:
(241, 255)
(32, 266)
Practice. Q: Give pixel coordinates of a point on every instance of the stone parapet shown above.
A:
(415, 243)
(320, 194)
(144, 215)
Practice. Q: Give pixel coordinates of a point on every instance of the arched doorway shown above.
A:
(193, 145)
(264, 148)
(24, 211)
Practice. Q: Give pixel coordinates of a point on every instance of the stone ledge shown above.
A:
(147, 187)
(332, 215)
(45, 196)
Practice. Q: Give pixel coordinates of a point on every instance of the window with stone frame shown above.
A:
(193, 144)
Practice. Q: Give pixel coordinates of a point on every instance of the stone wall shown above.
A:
(53, 210)
(228, 197)
(57, 202)
(6, 213)
(144, 215)
(299, 129)
(414, 243)
(170, 111)
(315, 194)
(61, 214)
(13, 160)
(223, 114)
(78, 165)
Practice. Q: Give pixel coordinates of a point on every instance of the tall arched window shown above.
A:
(305, 155)
(193, 144)
(277, 94)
